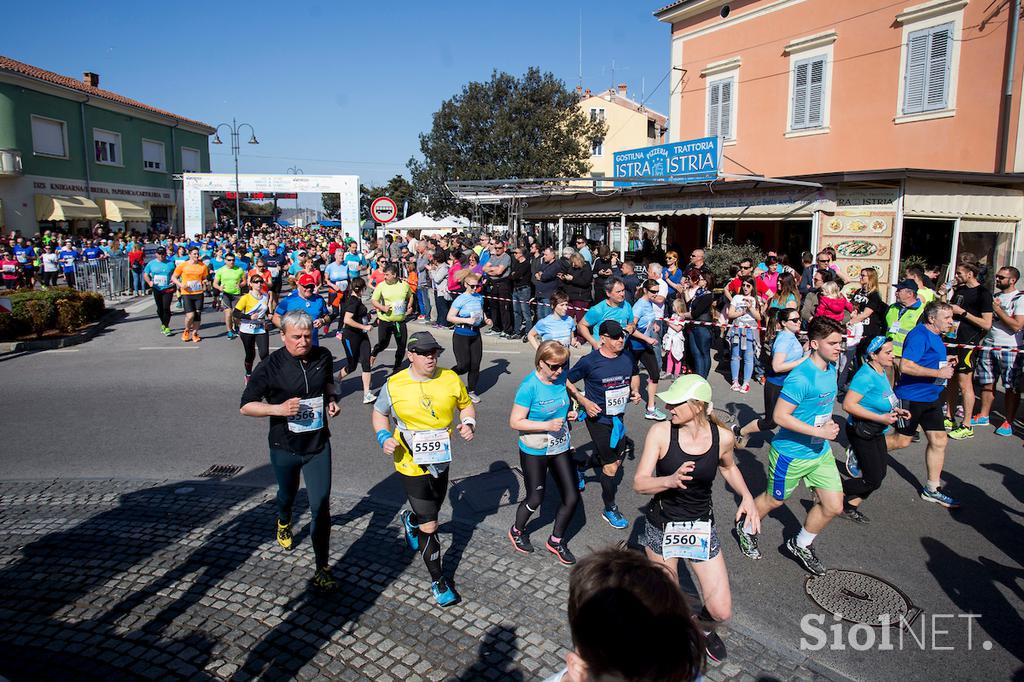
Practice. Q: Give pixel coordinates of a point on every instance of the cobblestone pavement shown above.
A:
(167, 580)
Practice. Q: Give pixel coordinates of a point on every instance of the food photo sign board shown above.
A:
(861, 232)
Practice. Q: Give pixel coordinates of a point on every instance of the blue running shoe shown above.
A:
(1005, 429)
(614, 518)
(852, 466)
(979, 421)
(443, 593)
(940, 498)
(410, 530)
(582, 479)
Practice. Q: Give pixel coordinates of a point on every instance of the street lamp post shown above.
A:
(235, 128)
(295, 170)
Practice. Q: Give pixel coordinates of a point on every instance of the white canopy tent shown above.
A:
(427, 225)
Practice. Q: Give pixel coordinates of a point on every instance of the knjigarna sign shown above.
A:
(691, 160)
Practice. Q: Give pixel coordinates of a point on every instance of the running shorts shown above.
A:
(966, 358)
(786, 473)
(230, 300)
(192, 303)
(927, 415)
(426, 494)
(601, 435)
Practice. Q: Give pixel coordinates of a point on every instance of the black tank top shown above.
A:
(694, 502)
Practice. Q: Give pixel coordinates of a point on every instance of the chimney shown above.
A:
(587, 92)
(90, 78)
(579, 89)
(622, 89)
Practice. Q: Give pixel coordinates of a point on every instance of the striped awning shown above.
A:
(120, 210)
(55, 207)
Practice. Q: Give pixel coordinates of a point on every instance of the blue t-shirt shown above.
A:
(160, 273)
(94, 253)
(215, 264)
(336, 272)
(874, 386)
(646, 317)
(924, 348)
(813, 391)
(545, 402)
(355, 262)
(785, 342)
(67, 259)
(555, 328)
(469, 305)
(315, 307)
(24, 254)
(604, 311)
(674, 277)
(601, 374)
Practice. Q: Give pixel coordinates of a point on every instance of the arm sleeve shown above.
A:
(256, 390)
(986, 302)
(524, 394)
(795, 388)
(914, 347)
(579, 369)
(383, 404)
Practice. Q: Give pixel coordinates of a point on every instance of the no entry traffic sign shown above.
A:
(383, 210)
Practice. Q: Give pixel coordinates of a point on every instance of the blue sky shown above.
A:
(334, 87)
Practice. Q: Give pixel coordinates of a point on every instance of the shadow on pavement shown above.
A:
(473, 499)
(495, 657)
(489, 375)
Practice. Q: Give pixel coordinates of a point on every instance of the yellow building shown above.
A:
(631, 125)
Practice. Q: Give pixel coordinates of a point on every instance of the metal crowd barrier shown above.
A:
(109, 277)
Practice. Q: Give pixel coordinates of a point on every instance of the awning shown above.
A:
(283, 223)
(53, 207)
(330, 223)
(120, 211)
(955, 200)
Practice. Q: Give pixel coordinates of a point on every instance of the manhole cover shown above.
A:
(221, 471)
(861, 598)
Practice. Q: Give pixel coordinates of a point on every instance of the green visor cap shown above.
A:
(689, 387)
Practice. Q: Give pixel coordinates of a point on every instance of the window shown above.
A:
(597, 148)
(720, 108)
(597, 114)
(153, 156)
(49, 137)
(927, 71)
(808, 93)
(191, 161)
(652, 129)
(598, 182)
(108, 147)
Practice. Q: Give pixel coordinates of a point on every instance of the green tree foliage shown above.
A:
(331, 202)
(398, 188)
(508, 127)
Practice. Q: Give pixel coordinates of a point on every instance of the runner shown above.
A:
(228, 281)
(800, 451)
(336, 278)
(294, 386)
(305, 298)
(678, 465)
(541, 413)
(274, 261)
(190, 278)
(158, 274)
(872, 408)
(972, 319)
(68, 255)
(391, 299)
(924, 371)
(250, 313)
(558, 326)
(467, 314)
(610, 382)
(997, 364)
(614, 307)
(355, 261)
(647, 320)
(260, 268)
(355, 338)
(422, 400)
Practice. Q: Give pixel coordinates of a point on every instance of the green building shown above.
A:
(73, 154)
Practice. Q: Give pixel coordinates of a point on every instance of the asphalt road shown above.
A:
(132, 404)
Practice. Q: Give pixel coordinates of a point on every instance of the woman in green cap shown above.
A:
(680, 460)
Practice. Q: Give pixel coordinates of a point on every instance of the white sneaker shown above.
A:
(368, 398)
(735, 385)
(474, 397)
(745, 388)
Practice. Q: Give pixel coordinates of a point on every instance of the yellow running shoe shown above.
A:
(284, 535)
(324, 581)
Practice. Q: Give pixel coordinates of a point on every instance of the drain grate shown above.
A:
(861, 598)
(221, 471)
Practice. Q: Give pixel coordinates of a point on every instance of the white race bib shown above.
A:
(310, 416)
(820, 421)
(558, 441)
(250, 328)
(894, 402)
(398, 308)
(615, 400)
(10, 268)
(940, 381)
(687, 540)
(274, 272)
(194, 286)
(429, 447)
(160, 281)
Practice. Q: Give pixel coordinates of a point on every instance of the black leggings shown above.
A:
(771, 396)
(535, 469)
(469, 351)
(384, 333)
(316, 468)
(357, 350)
(872, 457)
(250, 342)
(164, 298)
(649, 359)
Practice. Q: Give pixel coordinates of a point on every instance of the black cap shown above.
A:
(160, 251)
(423, 342)
(611, 329)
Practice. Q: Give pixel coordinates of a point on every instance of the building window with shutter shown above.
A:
(153, 156)
(597, 148)
(191, 160)
(107, 146)
(926, 72)
(49, 137)
(808, 93)
(597, 115)
(721, 108)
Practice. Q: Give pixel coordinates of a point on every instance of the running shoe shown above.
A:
(338, 336)
(745, 388)
(561, 551)
(284, 535)
(368, 398)
(979, 421)
(614, 518)
(962, 432)
(855, 515)
(655, 415)
(186, 336)
(581, 479)
(492, 332)
(736, 386)
(520, 542)
(505, 336)
(940, 498)
(852, 465)
(247, 377)
(324, 581)
(196, 338)
(806, 556)
(741, 439)
(474, 397)
(1005, 430)
(948, 424)
(748, 541)
(232, 335)
(714, 646)
(411, 537)
(443, 593)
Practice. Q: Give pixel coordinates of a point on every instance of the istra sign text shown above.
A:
(689, 161)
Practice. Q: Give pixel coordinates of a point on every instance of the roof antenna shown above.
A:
(580, 46)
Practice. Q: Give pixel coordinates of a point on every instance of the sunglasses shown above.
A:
(309, 287)
(652, 291)
(555, 368)
(426, 353)
(256, 280)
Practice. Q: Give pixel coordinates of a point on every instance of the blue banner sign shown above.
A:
(691, 160)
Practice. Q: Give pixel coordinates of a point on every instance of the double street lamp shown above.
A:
(235, 128)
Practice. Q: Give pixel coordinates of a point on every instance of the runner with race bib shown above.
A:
(157, 275)
(190, 277)
(392, 299)
(421, 402)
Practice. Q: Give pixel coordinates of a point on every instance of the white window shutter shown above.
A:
(714, 95)
(915, 77)
(939, 49)
(800, 95)
(816, 93)
(725, 126)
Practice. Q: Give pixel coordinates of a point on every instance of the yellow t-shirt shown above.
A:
(395, 295)
(420, 406)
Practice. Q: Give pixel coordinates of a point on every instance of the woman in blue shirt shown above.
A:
(559, 326)
(467, 314)
(872, 407)
(541, 412)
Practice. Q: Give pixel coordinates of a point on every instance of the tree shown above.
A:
(397, 188)
(507, 127)
(331, 202)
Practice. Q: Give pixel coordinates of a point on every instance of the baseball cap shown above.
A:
(306, 279)
(611, 329)
(689, 387)
(423, 342)
(907, 284)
